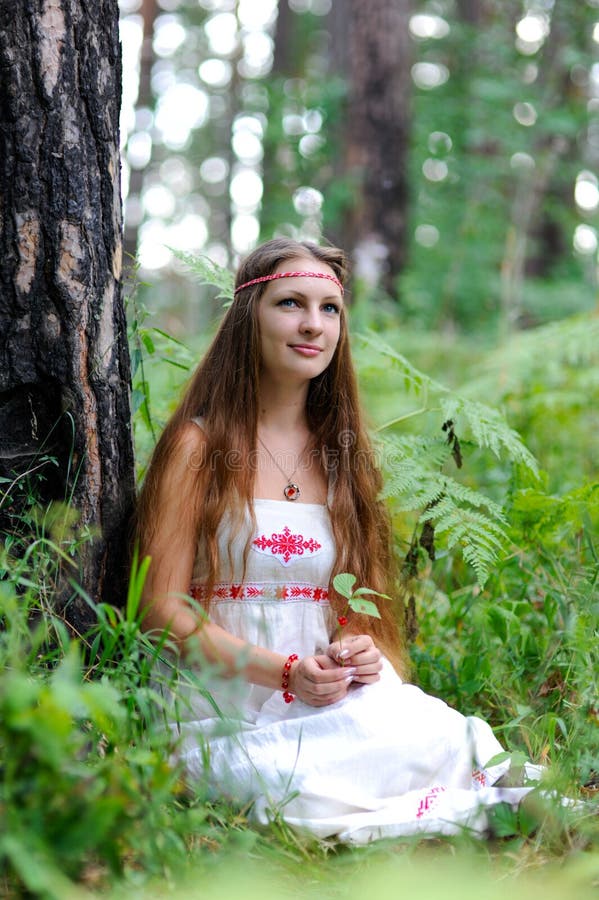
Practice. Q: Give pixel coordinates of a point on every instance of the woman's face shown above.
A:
(300, 322)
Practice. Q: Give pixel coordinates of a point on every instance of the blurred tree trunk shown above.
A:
(372, 48)
(536, 242)
(149, 12)
(475, 12)
(285, 58)
(64, 365)
(278, 177)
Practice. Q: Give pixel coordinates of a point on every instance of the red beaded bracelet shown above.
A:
(288, 697)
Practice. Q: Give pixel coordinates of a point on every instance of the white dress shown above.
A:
(387, 760)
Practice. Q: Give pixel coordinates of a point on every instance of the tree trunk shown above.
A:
(64, 366)
(277, 184)
(149, 12)
(378, 62)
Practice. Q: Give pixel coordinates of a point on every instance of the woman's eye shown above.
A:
(287, 301)
(331, 308)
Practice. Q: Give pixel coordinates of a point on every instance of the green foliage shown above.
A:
(86, 778)
(450, 512)
(547, 380)
(492, 190)
(487, 426)
(293, 162)
(159, 363)
(523, 651)
(344, 585)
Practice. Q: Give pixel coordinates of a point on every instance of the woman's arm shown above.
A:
(317, 680)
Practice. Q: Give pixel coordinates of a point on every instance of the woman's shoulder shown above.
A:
(188, 448)
(191, 433)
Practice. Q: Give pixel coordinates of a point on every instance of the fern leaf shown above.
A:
(208, 272)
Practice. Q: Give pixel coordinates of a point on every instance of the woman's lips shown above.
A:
(306, 349)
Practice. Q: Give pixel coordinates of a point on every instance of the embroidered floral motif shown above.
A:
(262, 591)
(286, 545)
(479, 778)
(430, 799)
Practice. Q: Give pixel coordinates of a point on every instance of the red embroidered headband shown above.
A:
(290, 275)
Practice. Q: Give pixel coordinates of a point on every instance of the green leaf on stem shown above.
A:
(365, 607)
(344, 584)
(361, 591)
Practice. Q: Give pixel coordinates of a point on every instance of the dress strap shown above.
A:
(331, 489)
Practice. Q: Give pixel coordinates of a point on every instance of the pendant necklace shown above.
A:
(291, 491)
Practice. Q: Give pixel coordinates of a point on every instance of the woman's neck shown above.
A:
(282, 408)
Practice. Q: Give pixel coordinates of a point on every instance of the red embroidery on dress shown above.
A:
(286, 545)
(259, 591)
(480, 777)
(429, 801)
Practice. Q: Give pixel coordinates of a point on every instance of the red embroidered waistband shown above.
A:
(261, 591)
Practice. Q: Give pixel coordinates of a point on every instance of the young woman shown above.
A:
(262, 487)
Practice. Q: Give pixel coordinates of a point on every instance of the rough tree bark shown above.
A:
(374, 41)
(64, 366)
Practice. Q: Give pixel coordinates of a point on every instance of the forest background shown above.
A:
(452, 149)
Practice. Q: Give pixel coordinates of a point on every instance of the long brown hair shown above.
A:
(224, 391)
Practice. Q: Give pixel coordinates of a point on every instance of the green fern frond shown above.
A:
(424, 492)
(490, 430)
(487, 426)
(409, 463)
(395, 449)
(208, 272)
(462, 494)
(479, 537)
(413, 378)
(412, 468)
(464, 518)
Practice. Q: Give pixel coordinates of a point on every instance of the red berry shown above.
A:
(342, 620)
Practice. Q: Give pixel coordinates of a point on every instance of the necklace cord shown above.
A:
(291, 491)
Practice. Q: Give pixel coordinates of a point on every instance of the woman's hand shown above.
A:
(359, 653)
(319, 680)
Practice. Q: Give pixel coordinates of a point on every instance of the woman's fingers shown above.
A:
(358, 651)
(366, 679)
(350, 645)
(318, 681)
(324, 679)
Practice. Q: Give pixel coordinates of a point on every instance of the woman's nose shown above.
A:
(311, 321)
